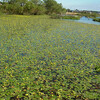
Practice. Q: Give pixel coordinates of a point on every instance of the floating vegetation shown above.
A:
(48, 59)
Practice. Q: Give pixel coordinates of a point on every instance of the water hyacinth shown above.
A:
(48, 59)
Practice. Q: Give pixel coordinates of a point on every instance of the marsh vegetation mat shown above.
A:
(48, 59)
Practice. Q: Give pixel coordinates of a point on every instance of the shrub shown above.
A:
(71, 17)
(55, 16)
(96, 19)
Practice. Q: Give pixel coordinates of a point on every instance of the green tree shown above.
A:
(52, 6)
(20, 2)
(31, 7)
(36, 2)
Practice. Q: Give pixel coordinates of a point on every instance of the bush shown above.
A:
(1, 13)
(92, 15)
(55, 16)
(33, 9)
(96, 19)
(71, 17)
(40, 10)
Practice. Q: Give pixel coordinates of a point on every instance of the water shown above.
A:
(87, 20)
(98, 17)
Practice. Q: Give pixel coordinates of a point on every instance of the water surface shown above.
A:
(86, 20)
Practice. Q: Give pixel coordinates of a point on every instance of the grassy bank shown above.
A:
(71, 17)
(48, 59)
(96, 19)
(89, 15)
(55, 16)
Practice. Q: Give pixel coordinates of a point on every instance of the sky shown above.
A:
(81, 4)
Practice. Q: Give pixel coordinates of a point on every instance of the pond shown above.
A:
(86, 20)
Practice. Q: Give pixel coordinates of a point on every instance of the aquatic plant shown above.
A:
(48, 59)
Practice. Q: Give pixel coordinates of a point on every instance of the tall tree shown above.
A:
(52, 6)
(21, 2)
(35, 1)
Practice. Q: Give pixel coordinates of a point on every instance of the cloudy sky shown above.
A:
(81, 4)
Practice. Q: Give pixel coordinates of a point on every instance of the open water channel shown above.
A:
(87, 20)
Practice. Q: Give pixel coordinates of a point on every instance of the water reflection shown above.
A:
(87, 20)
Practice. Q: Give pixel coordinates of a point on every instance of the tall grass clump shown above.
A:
(96, 19)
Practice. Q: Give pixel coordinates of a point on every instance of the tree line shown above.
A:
(31, 7)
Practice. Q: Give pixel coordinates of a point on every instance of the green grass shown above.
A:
(55, 16)
(71, 17)
(48, 59)
(1, 13)
(96, 19)
(92, 15)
